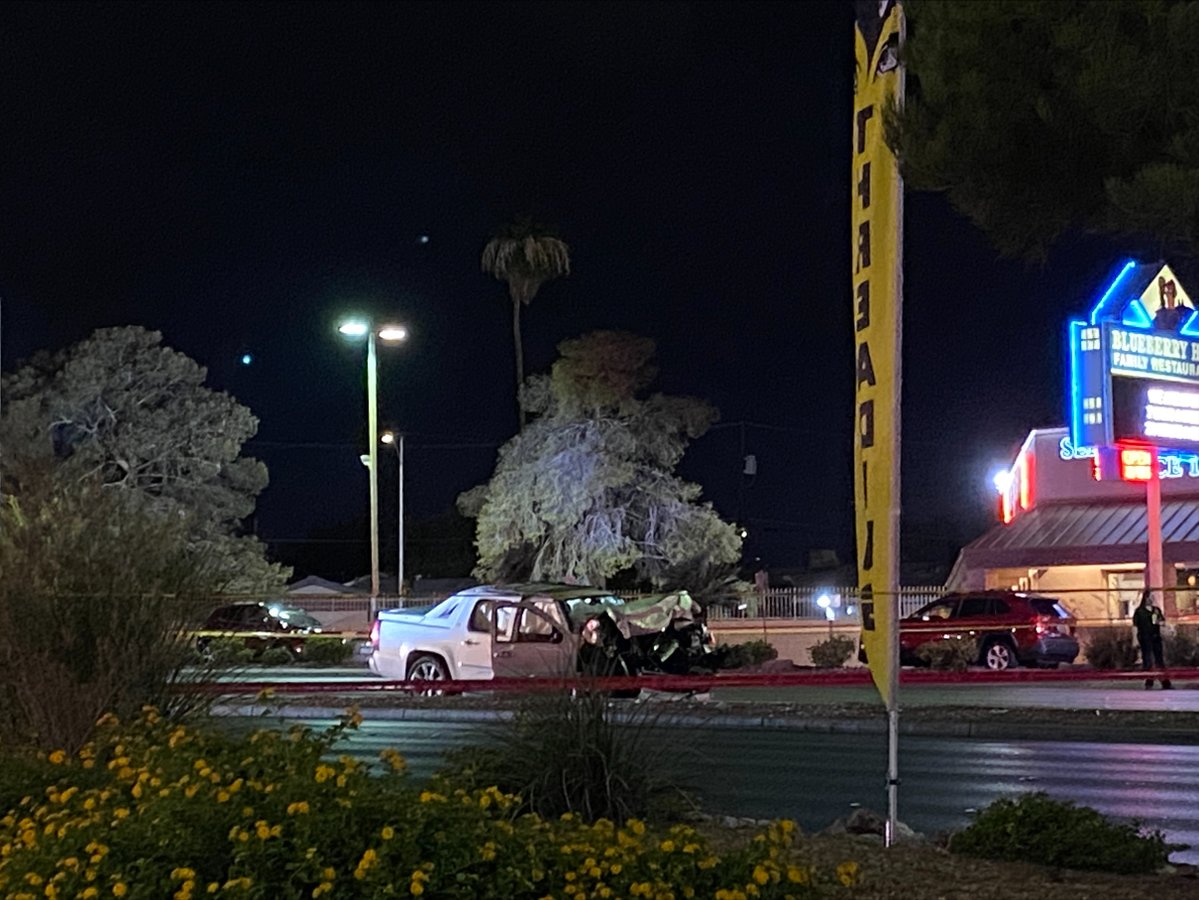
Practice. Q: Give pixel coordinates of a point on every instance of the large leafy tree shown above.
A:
(525, 256)
(122, 411)
(587, 491)
(1041, 117)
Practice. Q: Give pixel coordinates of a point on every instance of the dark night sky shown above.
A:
(238, 175)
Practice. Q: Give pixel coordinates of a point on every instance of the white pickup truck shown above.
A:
(538, 630)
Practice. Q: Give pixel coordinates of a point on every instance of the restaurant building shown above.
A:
(1064, 533)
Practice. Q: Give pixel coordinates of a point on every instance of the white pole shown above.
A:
(896, 494)
(400, 520)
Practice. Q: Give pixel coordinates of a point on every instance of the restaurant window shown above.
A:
(1123, 592)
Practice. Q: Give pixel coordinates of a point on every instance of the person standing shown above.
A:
(1148, 620)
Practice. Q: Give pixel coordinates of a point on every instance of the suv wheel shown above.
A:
(998, 655)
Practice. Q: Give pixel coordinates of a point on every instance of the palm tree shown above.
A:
(525, 256)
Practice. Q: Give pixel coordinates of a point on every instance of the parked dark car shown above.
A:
(1011, 629)
(265, 625)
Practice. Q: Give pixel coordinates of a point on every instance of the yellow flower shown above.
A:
(297, 809)
(213, 887)
(666, 846)
(416, 889)
(120, 889)
(847, 873)
(323, 888)
(324, 773)
(636, 826)
(797, 875)
(58, 757)
(182, 873)
(761, 876)
(393, 758)
(120, 813)
(328, 873)
(388, 833)
(89, 892)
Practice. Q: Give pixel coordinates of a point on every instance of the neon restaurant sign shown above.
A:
(1171, 463)
(1134, 370)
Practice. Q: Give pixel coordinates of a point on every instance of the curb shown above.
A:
(1021, 731)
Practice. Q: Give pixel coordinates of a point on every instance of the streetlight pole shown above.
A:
(372, 415)
(396, 441)
(357, 328)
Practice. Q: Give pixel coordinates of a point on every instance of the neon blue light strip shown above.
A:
(1136, 316)
(1075, 387)
(1128, 266)
(1191, 328)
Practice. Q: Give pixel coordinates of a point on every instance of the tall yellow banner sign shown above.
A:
(877, 294)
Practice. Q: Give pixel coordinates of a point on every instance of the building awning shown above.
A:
(1081, 534)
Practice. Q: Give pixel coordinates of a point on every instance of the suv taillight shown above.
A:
(375, 635)
(1048, 625)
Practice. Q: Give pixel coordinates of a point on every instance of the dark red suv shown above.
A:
(1011, 628)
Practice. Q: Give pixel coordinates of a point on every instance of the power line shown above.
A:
(318, 445)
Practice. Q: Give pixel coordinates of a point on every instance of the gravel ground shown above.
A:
(923, 871)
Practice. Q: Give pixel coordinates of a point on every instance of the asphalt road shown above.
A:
(1123, 695)
(815, 778)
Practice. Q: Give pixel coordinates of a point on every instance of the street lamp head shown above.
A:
(387, 437)
(354, 328)
(393, 333)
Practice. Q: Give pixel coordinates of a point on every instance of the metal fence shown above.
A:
(792, 603)
(837, 604)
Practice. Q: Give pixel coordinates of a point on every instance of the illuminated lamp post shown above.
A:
(392, 334)
(396, 442)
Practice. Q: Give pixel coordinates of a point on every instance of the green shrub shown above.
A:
(153, 810)
(1111, 648)
(97, 593)
(951, 654)
(276, 656)
(832, 653)
(587, 763)
(1034, 828)
(226, 652)
(1182, 647)
(750, 653)
(326, 651)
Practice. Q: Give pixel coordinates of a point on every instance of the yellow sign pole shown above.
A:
(877, 220)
